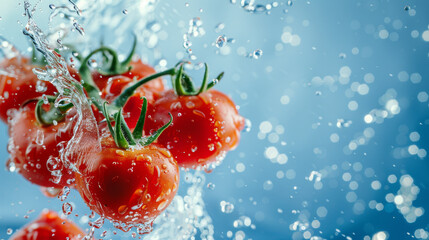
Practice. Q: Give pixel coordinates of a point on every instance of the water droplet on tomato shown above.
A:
(190, 104)
(198, 113)
(211, 147)
(10, 165)
(122, 209)
(40, 137)
(162, 205)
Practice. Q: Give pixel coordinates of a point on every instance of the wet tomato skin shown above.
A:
(18, 84)
(35, 150)
(204, 127)
(128, 186)
(49, 226)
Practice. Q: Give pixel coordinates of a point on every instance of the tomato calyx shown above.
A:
(121, 132)
(183, 86)
(56, 112)
(116, 68)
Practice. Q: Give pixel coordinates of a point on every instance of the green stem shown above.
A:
(88, 82)
(128, 92)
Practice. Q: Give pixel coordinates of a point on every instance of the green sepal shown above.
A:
(203, 87)
(117, 67)
(178, 86)
(150, 139)
(126, 130)
(107, 116)
(138, 130)
(183, 86)
(119, 137)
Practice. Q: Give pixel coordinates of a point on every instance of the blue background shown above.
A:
(334, 35)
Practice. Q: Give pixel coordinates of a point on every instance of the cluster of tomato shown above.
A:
(146, 132)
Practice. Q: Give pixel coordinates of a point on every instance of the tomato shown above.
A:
(18, 84)
(111, 86)
(49, 226)
(138, 71)
(129, 187)
(35, 149)
(204, 127)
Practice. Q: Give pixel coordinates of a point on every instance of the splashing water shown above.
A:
(69, 91)
(186, 215)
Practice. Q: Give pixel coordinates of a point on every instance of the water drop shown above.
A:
(226, 207)
(52, 6)
(9, 231)
(257, 53)
(211, 186)
(97, 223)
(247, 125)
(406, 8)
(41, 86)
(79, 28)
(10, 165)
(125, 11)
(67, 208)
(221, 41)
(187, 44)
(289, 3)
(64, 193)
(40, 137)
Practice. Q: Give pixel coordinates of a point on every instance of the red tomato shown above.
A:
(204, 127)
(49, 226)
(34, 149)
(18, 84)
(129, 187)
(112, 86)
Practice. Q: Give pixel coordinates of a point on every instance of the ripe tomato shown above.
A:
(49, 226)
(129, 187)
(35, 149)
(18, 84)
(112, 86)
(204, 127)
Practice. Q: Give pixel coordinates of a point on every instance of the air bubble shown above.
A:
(226, 207)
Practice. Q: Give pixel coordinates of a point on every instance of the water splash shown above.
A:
(69, 91)
(186, 215)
